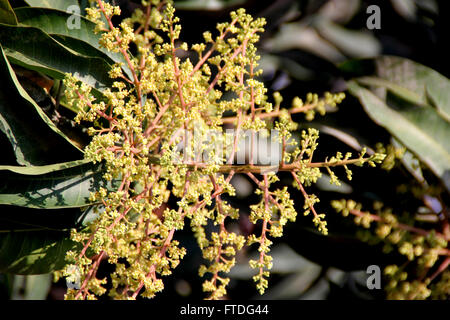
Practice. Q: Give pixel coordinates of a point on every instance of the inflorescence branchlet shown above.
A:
(426, 251)
(142, 127)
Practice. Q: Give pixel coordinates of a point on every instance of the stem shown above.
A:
(443, 266)
(305, 195)
(274, 113)
(263, 239)
(210, 51)
(401, 226)
(92, 272)
(248, 168)
(123, 52)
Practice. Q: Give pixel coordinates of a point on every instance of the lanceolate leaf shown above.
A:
(40, 170)
(45, 54)
(35, 139)
(18, 58)
(80, 37)
(408, 79)
(6, 13)
(52, 4)
(406, 94)
(33, 252)
(352, 43)
(65, 185)
(425, 82)
(420, 128)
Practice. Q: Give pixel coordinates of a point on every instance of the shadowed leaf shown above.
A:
(32, 48)
(32, 134)
(64, 185)
(81, 39)
(52, 4)
(6, 13)
(33, 252)
(420, 128)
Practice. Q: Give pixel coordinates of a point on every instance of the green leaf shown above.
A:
(81, 39)
(406, 94)
(22, 60)
(65, 185)
(6, 13)
(420, 128)
(35, 252)
(39, 170)
(408, 79)
(52, 4)
(352, 43)
(425, 82)
(32, 134)
(38, 51)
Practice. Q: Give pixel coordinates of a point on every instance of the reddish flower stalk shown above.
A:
(401, 226)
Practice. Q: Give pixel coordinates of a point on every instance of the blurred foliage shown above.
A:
(398, 76)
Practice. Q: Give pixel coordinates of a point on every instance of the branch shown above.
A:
(401, 226)
(246, 168)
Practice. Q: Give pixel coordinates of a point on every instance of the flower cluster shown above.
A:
(426, 251)
(141, 129)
